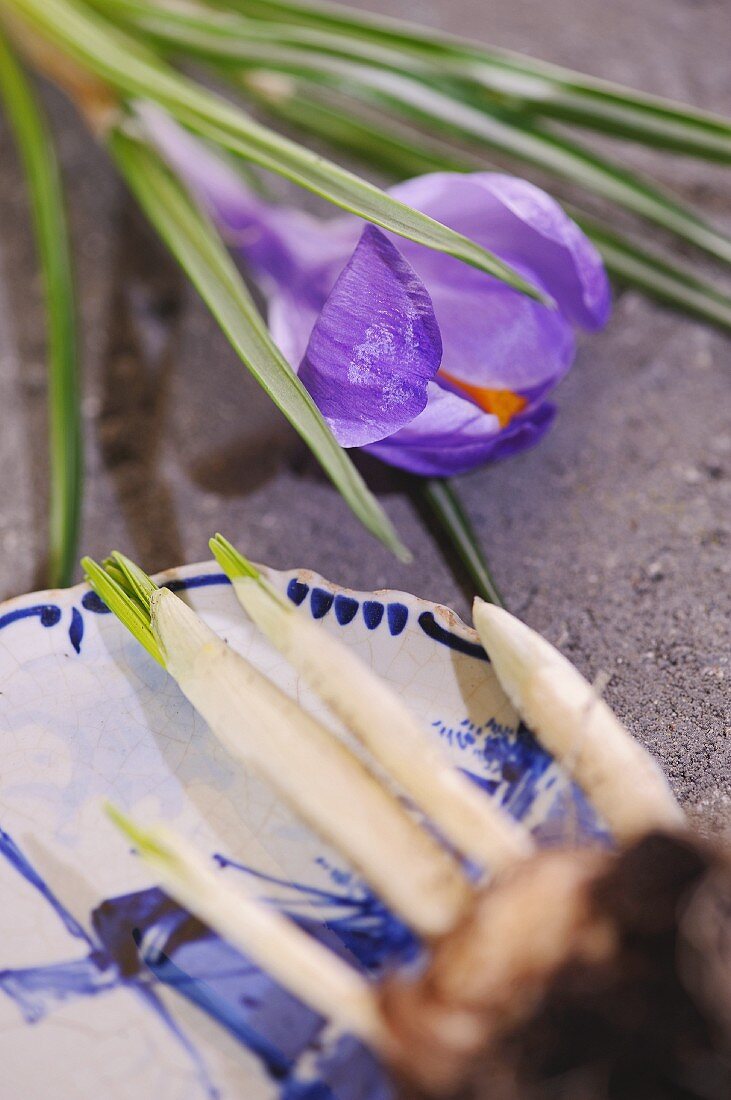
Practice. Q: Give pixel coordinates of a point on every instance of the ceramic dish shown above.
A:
(109, 989)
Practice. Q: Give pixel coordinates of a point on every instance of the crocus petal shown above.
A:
(291, 320)
(496, 338)
(374, 347)
(525, 227)
(452, 436)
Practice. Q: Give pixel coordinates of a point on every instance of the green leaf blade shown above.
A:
(136, 72)
(47, 208)
(441, 497)
(550, 90)
(451, 109)
(527, 143)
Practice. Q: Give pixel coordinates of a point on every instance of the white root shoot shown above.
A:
(372, 711)
(622, 780)
(307, 969)
(316, 774)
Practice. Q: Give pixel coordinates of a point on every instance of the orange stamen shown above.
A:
(504, 404)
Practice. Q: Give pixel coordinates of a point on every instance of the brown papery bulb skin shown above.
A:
(580, 976)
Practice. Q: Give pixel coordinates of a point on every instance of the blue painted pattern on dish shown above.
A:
(94, 603)
(203, 580)
(397, 615)
(51, 614)
(142, 939)
(76, 630)
(513, 767)
(320, 602)
(297, 591)
(346, 608)
(372, 613)
(48, 614)
(367, 930)
(432, 629)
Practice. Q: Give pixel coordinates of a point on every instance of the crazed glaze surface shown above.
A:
(107, 986)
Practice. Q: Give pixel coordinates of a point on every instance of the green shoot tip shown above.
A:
(233, 563)
(124, 588)
(144, 840)
(136, 582)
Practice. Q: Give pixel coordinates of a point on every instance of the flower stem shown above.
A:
(445, 505)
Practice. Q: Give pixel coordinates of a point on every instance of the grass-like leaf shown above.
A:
(450, 106)
(226, 37)
(136, 71)
(196, 244)
(47, 205)
(521, 140)
(549, 90)
(401, 151)
(443, 502)
(390, 146)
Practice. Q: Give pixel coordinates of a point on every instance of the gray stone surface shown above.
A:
(612, 537)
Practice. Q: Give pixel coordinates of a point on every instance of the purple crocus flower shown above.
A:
(414, 356)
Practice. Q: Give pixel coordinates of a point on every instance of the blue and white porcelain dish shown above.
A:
(109, 988)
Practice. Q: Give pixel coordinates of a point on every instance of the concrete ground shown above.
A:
(612, 537)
